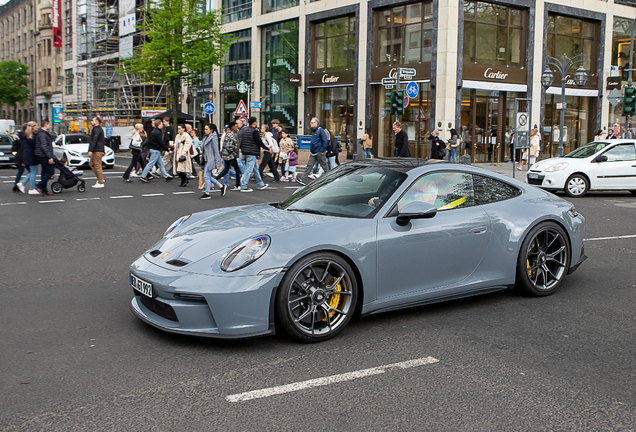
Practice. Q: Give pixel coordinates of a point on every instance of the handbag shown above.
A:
(182, 159)
(201, 180)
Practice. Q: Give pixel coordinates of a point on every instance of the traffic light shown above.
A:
(392, 102)
(399, 101)
(629, 101)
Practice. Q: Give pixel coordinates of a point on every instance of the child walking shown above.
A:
(292, 161)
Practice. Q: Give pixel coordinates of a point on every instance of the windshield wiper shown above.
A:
(306, 210)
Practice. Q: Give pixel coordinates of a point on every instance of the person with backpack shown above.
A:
(136, 144)
(268, 156)
(317, 149)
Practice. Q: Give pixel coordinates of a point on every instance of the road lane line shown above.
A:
(333, 379)
(182, 193)
(610, 238)
(152, 195)
(15, 203)
(293, 187)
(87, 199)
(50, 201)
(122, 196)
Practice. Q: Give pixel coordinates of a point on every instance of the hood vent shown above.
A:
(177, 263)
(155, 252)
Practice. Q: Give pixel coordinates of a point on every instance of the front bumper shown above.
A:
(547, 180)
(223, 307)
(81, 161)
(7, 159)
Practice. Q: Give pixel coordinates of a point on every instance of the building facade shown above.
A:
(17, 42)
(49, 77)
(472, 59)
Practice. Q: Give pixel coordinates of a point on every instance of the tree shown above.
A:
(14, 77)
(183, 41)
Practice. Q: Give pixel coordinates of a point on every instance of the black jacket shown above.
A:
(156, 142)
(18, 147)
(98, 142)
(28, 152)
(43, 145)
(251, 142)
(437, 151)
(168, 135)
(402, 144)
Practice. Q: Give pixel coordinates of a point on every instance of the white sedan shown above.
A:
(598, 166)
(75, 148)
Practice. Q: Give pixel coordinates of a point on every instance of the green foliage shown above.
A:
(14, 77)
(182, 42)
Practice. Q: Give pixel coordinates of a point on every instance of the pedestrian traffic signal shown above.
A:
(629, 101)
(399, 101)
(392, 103)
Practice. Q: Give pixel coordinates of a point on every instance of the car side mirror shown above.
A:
(601, 158)
(416, 210)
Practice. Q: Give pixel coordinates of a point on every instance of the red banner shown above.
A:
(57, 23)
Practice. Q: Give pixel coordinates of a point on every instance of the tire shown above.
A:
(108, 166)
(81, 187)
(56, 188)
(576, 186)
(544, 259)
(316, 298)
(633, 192)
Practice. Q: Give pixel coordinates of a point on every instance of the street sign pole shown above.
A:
(521, 131)
(397, 88)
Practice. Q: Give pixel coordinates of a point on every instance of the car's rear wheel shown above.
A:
(633, 192)
(576, 186)
(544, 259)
(316, 298)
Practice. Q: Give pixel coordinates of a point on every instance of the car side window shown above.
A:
(621, 152)
(445, 190)
(488, 190)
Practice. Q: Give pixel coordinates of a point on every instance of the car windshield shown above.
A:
(350, 190)
(77, 139)
(587, 150)
(6, 140)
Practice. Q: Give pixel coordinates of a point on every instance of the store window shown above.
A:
(573, 36)
(274, 5)
(238, 67)
(620, 61)
(578, 127)
(279, 59)
(494, 34)
(405, 35)
(334, 44)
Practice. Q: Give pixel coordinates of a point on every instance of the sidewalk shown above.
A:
(506, 169)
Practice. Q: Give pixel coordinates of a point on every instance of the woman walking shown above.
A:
(136, 144)
(28, 159)
(268, 156)
(182, 161)
(453, 146)
(230, 154)
(212, 160)
(286, 145)
(367, 143)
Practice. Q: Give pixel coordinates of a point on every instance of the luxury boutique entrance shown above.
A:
(333, 106)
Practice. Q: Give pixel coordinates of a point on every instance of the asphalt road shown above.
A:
(74, 358)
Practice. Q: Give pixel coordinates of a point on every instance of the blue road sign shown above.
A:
(254, 104)
(412, 90)
(209, 108)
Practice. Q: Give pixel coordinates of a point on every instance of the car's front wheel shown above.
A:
(576, 186)
(543, 260)
(316, 298)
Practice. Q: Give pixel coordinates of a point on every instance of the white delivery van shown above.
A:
(7, 126)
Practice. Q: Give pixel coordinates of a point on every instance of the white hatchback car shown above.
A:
(597, 166)
(75, 147)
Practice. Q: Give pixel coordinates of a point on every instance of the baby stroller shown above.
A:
(66, 179)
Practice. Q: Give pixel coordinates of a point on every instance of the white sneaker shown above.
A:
(235, 188)
(247, 190)
(21, 187)
(269, 174)
(33, 192)
(263, 187)
(134, 174)
(312, 176)
(98, 185)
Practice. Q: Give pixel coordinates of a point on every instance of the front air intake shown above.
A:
(155, 253)
(177, 263)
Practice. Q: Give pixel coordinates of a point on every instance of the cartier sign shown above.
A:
(326, 79)
(491, 74)
(329, 79)
(591, 84)
(501, 74)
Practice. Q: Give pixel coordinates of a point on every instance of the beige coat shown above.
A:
(534, 146)
(367, 142)
(183, 143)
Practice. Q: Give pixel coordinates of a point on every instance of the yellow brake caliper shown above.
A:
(334, 300)
(529, 271)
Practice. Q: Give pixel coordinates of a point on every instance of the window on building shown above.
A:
(48, 47)
(49, 77)
(69, 81)
(19, 46)
(494, 34)
(405, 35)
(68, 40)
(238, 59)
(573, 36)
(236, 10)
(274, 5)
(334, 44)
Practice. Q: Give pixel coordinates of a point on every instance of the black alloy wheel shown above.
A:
(544, 259)
(316, 298)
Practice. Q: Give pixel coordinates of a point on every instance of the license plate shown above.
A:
(533, 176)
(140, 285)
(4, 158)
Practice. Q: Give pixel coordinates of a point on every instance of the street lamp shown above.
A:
(563, 66)
(194, 107)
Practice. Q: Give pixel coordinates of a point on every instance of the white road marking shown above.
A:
(15, 203)
(183, 193)
(152, 195)
(9, 181)
(50, 201)
(292, 187)
(610, 238)
(272, 391)
(122, 196)
(87, 199)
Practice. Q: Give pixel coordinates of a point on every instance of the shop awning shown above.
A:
(483, 85)
(572, 92)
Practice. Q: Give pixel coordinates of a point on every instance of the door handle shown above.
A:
(479, 230)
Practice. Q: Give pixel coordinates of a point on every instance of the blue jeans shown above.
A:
(452, 155)
(47, 172)
(367, 153)
(332, 162)
(251, 166)
(20, 172)
(155, 158)
(209, 178)
(30, 177)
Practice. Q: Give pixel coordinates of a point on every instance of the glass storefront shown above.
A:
(334, 109)
(280, 58)
(620, 60)
(238, 67)
(578, 127)
(415, 122)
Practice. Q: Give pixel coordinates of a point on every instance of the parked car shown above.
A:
(598, 166)
(75, 147)
(367, 237)
(7, 126)
(6, 149)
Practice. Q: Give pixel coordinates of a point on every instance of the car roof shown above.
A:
(399, 164)
(615, 141)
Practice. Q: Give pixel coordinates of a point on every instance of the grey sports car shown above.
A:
(367, 237)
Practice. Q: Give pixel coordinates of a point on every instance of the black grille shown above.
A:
(155, 252)
(536, 181)
(177, 263)
(162, 309)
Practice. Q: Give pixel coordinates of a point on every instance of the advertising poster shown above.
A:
(126, 17)
(126, 47)
(57, 23)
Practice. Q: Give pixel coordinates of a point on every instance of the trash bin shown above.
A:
(467, 159)
(114, 142)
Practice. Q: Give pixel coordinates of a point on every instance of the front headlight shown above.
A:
(73, 153)
(246, 253)
(557, 167)
(175, 224)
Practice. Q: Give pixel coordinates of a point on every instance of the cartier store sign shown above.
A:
(328, 79)
(422, 72)
(490, 73)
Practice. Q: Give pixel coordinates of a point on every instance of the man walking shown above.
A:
(251, 144)
(317, 148)
(156, 144)
(44, 154)
(401, 141)
(96, 151)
